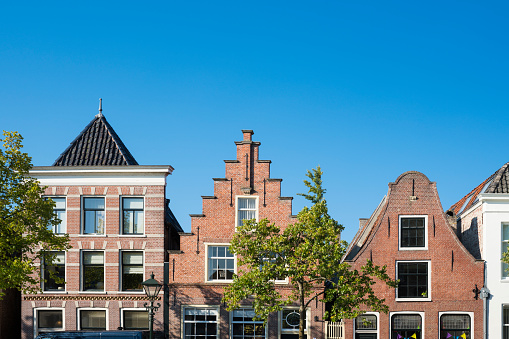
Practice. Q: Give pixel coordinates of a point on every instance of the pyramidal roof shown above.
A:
(96, 145)
(498, 182)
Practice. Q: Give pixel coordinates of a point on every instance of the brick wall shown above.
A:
(454, 271)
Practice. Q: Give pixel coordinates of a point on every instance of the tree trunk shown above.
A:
(302, 311)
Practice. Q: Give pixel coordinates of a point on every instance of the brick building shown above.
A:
(120, 228)
(483, 226)
(410, 233)
(203, 265)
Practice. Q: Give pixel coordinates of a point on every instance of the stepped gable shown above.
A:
(498, 182)
(96, 145)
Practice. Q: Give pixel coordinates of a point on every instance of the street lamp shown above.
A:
(152, 288)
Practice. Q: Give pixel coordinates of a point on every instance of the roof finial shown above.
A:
(100, 108)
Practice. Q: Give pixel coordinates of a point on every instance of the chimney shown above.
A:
(247, 134)
(362, 222)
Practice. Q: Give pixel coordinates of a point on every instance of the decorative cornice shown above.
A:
(83, 297)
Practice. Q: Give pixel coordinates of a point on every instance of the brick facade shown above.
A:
(452, 271)
(246, 177)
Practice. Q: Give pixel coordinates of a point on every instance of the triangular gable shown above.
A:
(96, 145)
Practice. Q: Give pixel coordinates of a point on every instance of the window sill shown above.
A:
(413, 299)
(133, 292)
(92, 292)
(413, 248)
(91, 235)
(218, 281)
(133, 235)
(54, 292)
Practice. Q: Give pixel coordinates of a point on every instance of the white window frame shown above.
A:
(423, 319)
(82, 209)
(237, 197)
(122, 315)
(121, 274)
(471, 314)
(377, 315)
(121, 204)
(246, 308)
(428, 298)
(82, 278)
(183, 316)
(78, 320)
(425, 248)
(280, 329)
(43, 266)
(504, 306)
(504, 276)
(64, 221)
(277, 281)
(36, 319)
(207, 247)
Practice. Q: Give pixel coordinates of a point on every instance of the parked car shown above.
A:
(99, 335)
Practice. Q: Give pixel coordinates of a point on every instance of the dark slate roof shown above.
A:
(96, 145)
(170, 218)
(498, 182)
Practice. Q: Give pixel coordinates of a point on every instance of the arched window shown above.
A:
(406, 326)
(455, 326)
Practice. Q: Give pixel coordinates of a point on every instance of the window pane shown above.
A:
(221, 263)
(95, 258)
(136, 320)
(133, 203)
(455, 322)
(412, 232)
(55, 269)
(413, 280)
(49, 319)
(61, 227)
(93, 320)
(94, 203)
(200, 323)
(365, 322)
(505, 234)
(132, 258)
(406, 321)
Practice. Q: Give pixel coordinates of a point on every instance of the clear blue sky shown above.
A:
(366, 89)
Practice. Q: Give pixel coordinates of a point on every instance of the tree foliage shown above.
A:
(26, 219)
(309, 254)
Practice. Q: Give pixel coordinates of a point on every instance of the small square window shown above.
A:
(135, 320)
(92, 320)
(413, 280)
(221, 263)
(49, 320)
(133, 216)
(412, 232)
(93, 215)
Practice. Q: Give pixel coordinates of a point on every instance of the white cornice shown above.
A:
(101, 175)
(494, 197)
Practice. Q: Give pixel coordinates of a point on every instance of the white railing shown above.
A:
(334, 330)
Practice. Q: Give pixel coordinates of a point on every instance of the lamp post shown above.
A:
(152, 288)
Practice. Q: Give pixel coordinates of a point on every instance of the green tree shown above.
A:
(26, 219)
(309, 253)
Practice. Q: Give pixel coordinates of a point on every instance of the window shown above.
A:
(406, 326)
(414, 280)
(221, 263)
(505, 324)
(366, 326)
(94, 216)
(412, 232)
(92, 320)
(246, 209)
(132, 271)
(55, 268)
(201, 323)
(49, 320)
(268, 263)
(59, 210)
(93, 271)
(454, 326)
(132, 216)
(244, 327)
(289, 320)
(505, 246)
(135, 319)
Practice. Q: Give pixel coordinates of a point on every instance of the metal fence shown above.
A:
(334, 330)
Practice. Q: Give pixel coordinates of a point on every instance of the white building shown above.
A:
(483, 227)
